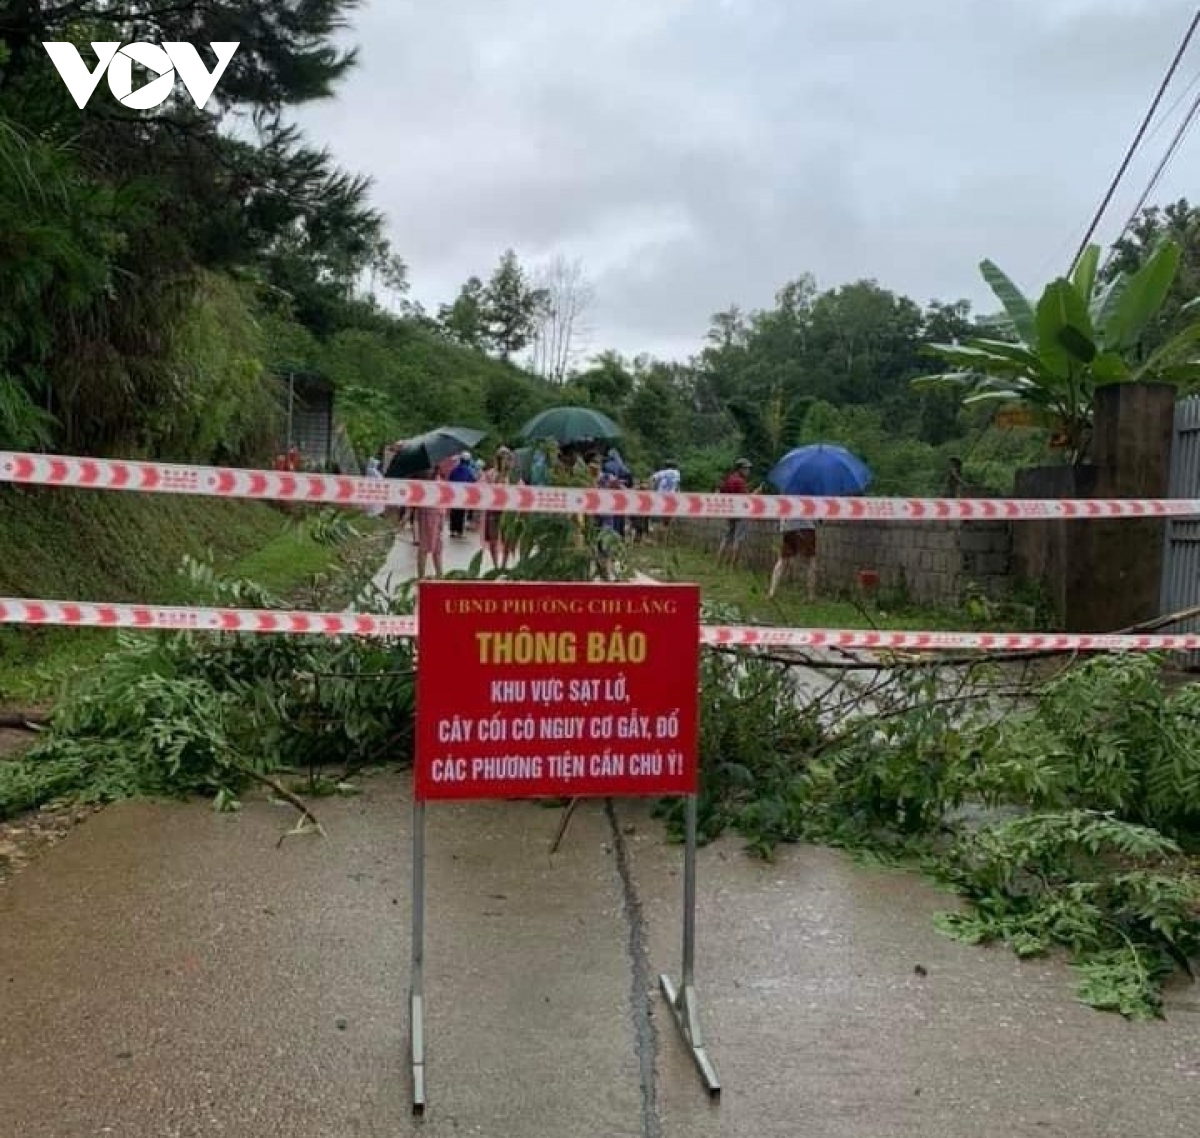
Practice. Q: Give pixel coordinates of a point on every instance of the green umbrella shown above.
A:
(571, 425)
(427, 450)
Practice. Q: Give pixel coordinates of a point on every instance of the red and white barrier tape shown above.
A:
(346, 490)
(765, 637)
(180, 618)
(176, 618)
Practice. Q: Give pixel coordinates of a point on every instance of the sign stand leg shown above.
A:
(416, 1013)
(683, 1002)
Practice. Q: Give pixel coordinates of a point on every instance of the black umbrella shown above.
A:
(414, 456)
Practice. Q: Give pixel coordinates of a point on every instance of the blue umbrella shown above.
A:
(820, 469)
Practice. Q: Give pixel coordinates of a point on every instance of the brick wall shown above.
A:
(931, 563)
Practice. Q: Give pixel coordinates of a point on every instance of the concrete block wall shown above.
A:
(930, 563)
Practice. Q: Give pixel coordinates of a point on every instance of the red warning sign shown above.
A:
(556, 690)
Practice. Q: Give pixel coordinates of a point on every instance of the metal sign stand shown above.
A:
(683, 1001)
(416, 996)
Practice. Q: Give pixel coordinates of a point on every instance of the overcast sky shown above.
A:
(699, 153)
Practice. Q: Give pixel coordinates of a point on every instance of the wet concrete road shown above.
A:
(167, 971)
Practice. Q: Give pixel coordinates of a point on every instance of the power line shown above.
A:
(1179, 100)
(1064, 246)
(1137, 138)
(1172, 149)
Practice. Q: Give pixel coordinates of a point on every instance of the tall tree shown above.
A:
(938, 414)
(560, 333)
(659, 408)
(464, 321)
(181, 194)
(608, 382)
(510, 307)
(864, 341)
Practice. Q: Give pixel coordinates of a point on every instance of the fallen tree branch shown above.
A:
(899, 658)
(20, 722)
(306, 815)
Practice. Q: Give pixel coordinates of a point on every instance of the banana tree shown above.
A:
(1079, 336)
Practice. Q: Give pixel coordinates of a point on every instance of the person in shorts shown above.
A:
(427, 525)
(496, 531)
(797, 538)
(735, 482)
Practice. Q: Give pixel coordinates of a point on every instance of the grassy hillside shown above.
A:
(96, 546)
(91, 545)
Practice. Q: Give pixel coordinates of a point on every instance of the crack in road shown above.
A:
(641, 982)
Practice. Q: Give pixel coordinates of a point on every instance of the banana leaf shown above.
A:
(1060, 308)
(1105, 304)
(1084, 276)
(1077, 345)
(978, 359)
(1015, 352)
(1109, 367)
(1038, 396)
(1147, 290)
(1020, 311)
(1179, 351)
(943, 380)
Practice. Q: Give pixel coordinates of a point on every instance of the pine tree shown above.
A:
(511, 307)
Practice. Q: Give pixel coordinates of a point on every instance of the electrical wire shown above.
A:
(1155, 178)
(1163, 119)
(1179, 99)
(1137, 139)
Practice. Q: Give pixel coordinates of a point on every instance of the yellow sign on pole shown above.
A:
(1015, 416)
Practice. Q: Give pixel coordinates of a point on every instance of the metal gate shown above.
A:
(1181, 557)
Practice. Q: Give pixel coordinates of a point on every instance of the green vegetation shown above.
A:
(88, 545)
(92, 545)
(1078, 337)
(746, 591)
(287, 561)
(1065, 815)
(189, 713)
(159, 271)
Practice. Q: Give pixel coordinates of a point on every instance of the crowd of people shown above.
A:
(578, 464)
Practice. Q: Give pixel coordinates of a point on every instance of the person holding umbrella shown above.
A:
(421, 456)
(820, 470)
(400, 515)
(798, 538)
